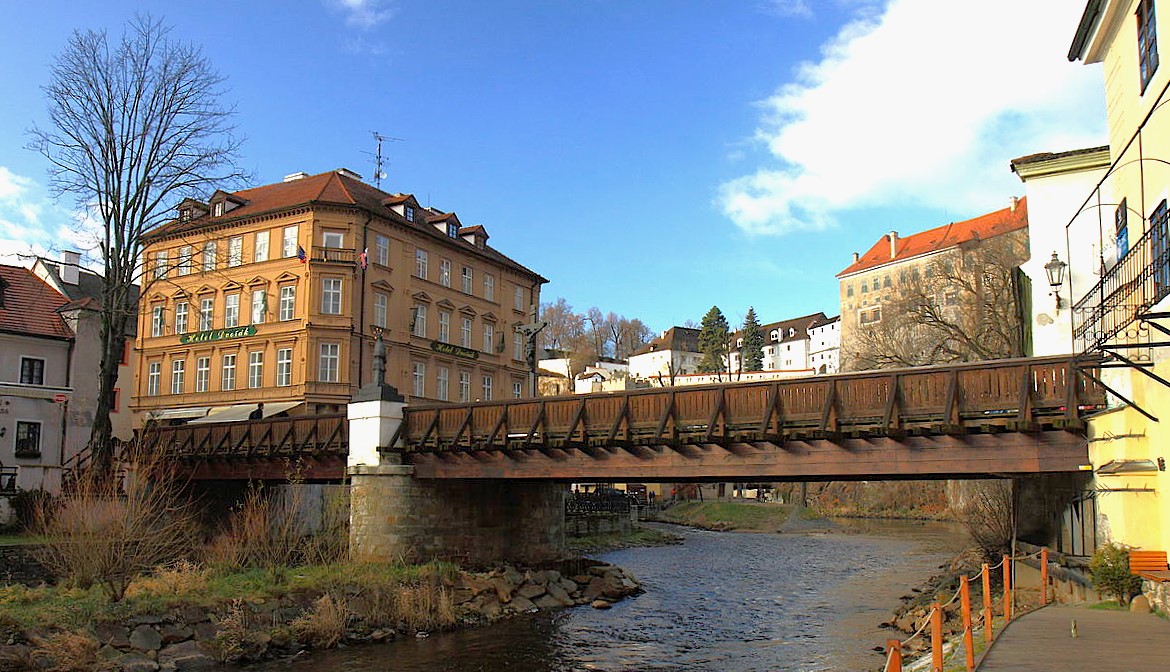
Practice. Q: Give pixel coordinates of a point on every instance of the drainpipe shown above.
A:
(362, 307)
(65, 404)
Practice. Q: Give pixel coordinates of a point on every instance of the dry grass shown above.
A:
(262, 532)
(323, 626)
(110, 529)
(70, 652)
(181, 578)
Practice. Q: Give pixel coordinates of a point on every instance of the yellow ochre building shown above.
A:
(276, 294)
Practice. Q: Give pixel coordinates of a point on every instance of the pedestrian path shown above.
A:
(1106, 641)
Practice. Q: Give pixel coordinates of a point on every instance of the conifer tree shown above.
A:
(713, 341)
(751, 355)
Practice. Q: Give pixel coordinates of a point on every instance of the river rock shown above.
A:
(205, 630)
(1140, 605)
(547, 601)
(556, 592)
(503, 589)
(185, 656)
(521, 604)
(531, 590)
(594, 589)
(513, 575)
(135, 662)
(601, 604)
(191, 615)
(581, 579)
(145, 638)
(175, 633)
(569, 585)
(114, 634)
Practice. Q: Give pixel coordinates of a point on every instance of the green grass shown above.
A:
(728, 515)
(640, 536)
(18, 539)
(1110, 605)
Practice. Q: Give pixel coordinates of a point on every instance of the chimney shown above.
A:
(299, 175)
(893, 236)
(1013, 201)
(70, 267)
(856, 257)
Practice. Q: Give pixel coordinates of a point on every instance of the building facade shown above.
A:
(787, 346)
(276, 294)
(664, 359)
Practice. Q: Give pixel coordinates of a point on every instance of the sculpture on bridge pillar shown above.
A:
(378, 389)
(379, 360)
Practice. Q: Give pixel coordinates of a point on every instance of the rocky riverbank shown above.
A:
(189, 637)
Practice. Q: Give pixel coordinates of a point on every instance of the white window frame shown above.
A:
(445, 272)
(418, 321)
(518, 299)
(288, 241)
(288, 303)
(468, 280)
(489, 287)
(231, 310)
(181, 309)
(235, 251)
(284, 367)
(259, 306)
(464, 386)
(420, 263)
(517, 346)
(331, 296)
(158, 320)
(185, 260)
(160, 265)
(227, 380)
(488, 383)
(255, 369)
(260, 247)
(382, 249)
(210, 250)
(418, 378)
(202, 374)
(178, 375)
(333, 239)
(328, 362)
(442, 383)
(489, 336)
(381, 304)
(153, 378)
(444, 326)
(465, 332)
(517, 389)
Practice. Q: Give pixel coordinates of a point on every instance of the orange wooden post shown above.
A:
(968, 640)
(1043, 576)
(936, 642)
(988, 634)
(1007, 589)
(893, 655)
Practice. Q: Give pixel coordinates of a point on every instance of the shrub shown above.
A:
(323, 626)
(181, 578)
(1110, 569)
(71, 652)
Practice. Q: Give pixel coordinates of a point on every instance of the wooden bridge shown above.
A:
(999, 417)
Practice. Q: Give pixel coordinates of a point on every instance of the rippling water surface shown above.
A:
(720, 601)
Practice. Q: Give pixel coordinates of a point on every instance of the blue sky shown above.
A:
(650, 157)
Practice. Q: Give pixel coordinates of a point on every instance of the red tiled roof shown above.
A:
(683, 339)
(30, 305)
(943, 237)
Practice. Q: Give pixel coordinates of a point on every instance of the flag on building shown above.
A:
(364, 258)
(301, 254)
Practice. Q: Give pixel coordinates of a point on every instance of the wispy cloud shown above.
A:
(32, 225)
(922, 103)
(787, 7)
(364, 14)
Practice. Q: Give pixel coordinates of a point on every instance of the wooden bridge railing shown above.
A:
(294, 436)
(1001, 395)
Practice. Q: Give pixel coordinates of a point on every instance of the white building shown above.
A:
(825, 345)
(787, 345)
(674, 353)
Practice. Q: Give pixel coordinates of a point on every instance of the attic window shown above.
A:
(409, 213)
(452, 230)
(217, 209)
(185, 215)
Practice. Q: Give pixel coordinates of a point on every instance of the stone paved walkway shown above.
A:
(1108, 641)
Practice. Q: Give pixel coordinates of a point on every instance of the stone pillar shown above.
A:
(394, 516)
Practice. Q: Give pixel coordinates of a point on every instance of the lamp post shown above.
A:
(1054, 269)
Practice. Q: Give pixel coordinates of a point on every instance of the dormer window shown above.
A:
(217, 209)
(452, 230)
(409, 213)
(185, 215)
(791, 332)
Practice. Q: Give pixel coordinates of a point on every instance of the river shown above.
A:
(718, 601)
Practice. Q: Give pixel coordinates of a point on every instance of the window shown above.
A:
(518, 299)
(202, 373)
(227, 380)
(181, 317)
(153, 378)
(157, 321)
(1160, 241)
(465, 333)
(1121, 229)
(178, 373)
(452, 230)
(209, 255)
(487, 388)
(419, 379)
(185, 255)
(444, 326)
(382, 250)
(464, 386)
(886, 282)
(259, 305)
(467, 279)
(32, 371)
(420, 263)
(517, 389)
(160, 265)
(235, 250)
(217, 209)
(260, 251)
(489, 335)
(284, 367)
(331, 296)
(28, 439)
(327, 361)
(288, 301)
(864, 287)
(380, 302)
(849, 290)
(116, 400)
(441, 383)
(489, 287)
(445, 273)
(288, 242)
(870, 315)
(418, 323)
(255, 369)
(231, 311)
(409, 213)
(333, 239)
(517, 346)
(1147, 42)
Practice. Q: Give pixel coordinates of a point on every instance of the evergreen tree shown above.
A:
(752, 353)
(713, 341)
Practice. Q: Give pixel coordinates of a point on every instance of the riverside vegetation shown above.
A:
(139, 586)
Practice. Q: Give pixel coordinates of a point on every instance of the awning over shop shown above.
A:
(238, 412)
(178, 413)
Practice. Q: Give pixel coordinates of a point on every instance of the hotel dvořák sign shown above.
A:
(454, 350)
(217, 335)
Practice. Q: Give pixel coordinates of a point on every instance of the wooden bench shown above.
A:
(1149, 565)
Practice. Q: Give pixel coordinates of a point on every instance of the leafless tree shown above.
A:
(134, 126)
(962, 306)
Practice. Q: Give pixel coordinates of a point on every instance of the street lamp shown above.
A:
(1055, 271)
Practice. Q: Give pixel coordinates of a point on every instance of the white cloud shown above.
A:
(364, 14)
(32, 225)
(924, 103)
(787, 8)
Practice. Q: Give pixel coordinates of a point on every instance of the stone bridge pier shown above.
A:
(396, 516)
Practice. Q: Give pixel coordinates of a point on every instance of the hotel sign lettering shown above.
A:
(217, 335)
(454, 350)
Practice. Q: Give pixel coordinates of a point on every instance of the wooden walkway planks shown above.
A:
(1107, 641)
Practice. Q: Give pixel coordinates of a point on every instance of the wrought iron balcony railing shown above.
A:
(333, 254)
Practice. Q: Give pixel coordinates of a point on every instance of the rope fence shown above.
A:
(934, 621)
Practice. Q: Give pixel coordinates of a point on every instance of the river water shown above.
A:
(719, 601)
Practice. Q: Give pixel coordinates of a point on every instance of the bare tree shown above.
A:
(135, 126)
(961, 306)
(564, 325)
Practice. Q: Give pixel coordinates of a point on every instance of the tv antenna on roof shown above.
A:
(380, 174)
